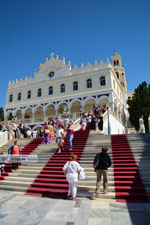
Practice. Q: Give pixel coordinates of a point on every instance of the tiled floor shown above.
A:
(28, 210)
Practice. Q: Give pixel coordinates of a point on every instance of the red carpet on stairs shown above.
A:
(127, 180)
(51, 182)
(27, 150)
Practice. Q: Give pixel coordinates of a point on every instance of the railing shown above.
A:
(76, 124)
(112, 124)
(3, 138)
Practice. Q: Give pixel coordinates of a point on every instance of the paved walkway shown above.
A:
(18, 209)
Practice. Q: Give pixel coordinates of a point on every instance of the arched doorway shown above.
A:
(76, 109)
(39, 115)
(19, 114)
(89, 105)
(28, 116)
(103, 101)
(50, 112)
(62, 109)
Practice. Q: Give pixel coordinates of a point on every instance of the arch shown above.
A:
(49, 104)
(18, 114)
(88, 104)
(39, 114)
(75, 106)
(28, 127)
(36, 126)
(26, 109)
(28, 115)
(62, 107)
(103, 100)
(37, 106)
(8, 114)
(50, 111)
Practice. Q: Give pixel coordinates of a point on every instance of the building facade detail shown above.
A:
(58, 88)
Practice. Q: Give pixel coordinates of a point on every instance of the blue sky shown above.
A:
(79, 30)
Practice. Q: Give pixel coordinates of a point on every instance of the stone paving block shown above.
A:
(99, 213)
(57, 216)
(74, 214)
(99, 221)
(5, 195)
(82, 218)
(51, 222)
(86, 204)
(99, 204)
(63, 206)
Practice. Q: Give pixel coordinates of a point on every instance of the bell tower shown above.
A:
(119, 70)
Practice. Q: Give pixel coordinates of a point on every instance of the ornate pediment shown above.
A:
(55, 63)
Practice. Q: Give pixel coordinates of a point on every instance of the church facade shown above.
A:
(58, 88)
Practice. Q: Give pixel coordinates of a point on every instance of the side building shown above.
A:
(58, 87)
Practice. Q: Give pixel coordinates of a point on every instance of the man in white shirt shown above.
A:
(141, 125)
(14, 127)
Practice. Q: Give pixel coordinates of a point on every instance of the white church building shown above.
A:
(57, 87)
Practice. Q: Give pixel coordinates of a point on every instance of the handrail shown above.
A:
(3, 138)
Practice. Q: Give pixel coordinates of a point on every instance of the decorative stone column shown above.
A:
(56, 109)
(44, 114)
(33, 115)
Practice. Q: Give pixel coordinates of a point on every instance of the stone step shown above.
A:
(30, 175)
(90, 195)
(16, 183)
(14, 178)
(28, 171)
(36, 167)
(13, 188)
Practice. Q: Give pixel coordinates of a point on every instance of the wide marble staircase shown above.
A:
(32, 177)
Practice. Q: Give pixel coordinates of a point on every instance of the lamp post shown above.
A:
(109, 131)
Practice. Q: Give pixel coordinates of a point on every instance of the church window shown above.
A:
(75, 86)
(29, 94)
(102, 81)
(10, 98)
(39, 92)
(117, 75)
(62, 88)
(19, 96)
(50, 90)
(89, 83)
